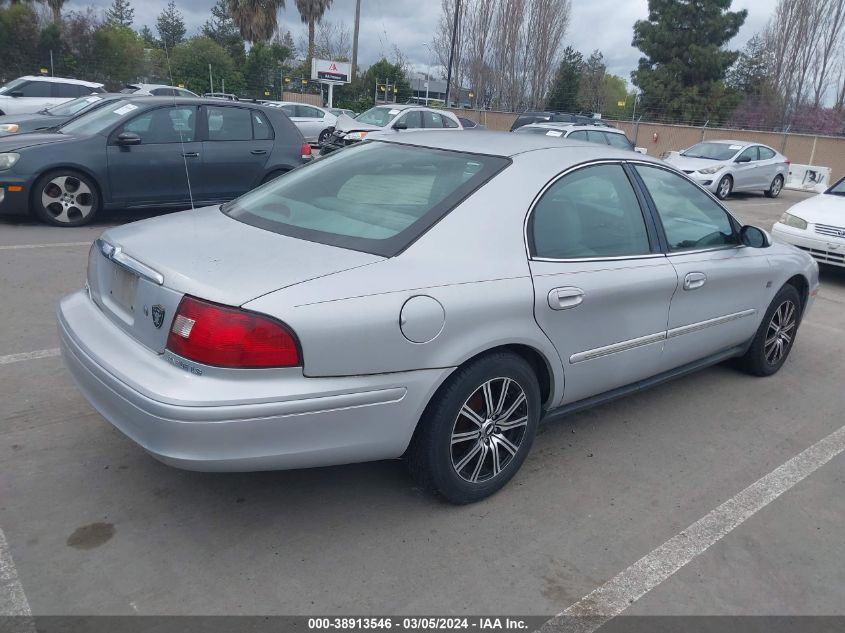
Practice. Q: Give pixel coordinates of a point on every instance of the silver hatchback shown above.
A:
(431, 296)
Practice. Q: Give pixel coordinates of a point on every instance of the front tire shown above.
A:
(478, 429)
(324, 136)
(775, 336)
(65, 197)
(726, 185)
(775, 188)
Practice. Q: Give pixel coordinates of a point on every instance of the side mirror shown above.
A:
(754, 237)
(400, 126)
(128, 138)
(16, 94)
(743, 159)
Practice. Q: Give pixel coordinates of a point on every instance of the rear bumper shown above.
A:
(824, 250)
(243, 420)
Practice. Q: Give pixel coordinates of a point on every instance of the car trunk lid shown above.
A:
(138, 273)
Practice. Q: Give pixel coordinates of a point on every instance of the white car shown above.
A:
(725, 167)
(29, 94)
(158, 90)
(314, 122)
(388, 119)
(601, 134)
(817, 225)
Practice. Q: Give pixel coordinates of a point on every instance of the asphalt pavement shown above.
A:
(91, 525)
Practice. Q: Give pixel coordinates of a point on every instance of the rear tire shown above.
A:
(775, 188)
(478, 428)
(65, 197)
(726, 186)
(775, 336)
(324, 135)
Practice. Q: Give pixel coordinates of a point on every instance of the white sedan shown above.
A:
(817, 225)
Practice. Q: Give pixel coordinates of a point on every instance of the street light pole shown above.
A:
(355, 39)
(427, 72)
(452, 49)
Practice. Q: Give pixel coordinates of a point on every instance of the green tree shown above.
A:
(121, 13)
(170, 26)
(190, 62)
(121, 54)
(359, 95)
(563, 93)
(311, 12)
(50, 42)
(682, 73)
(256, 19)
(19, 36)
(264, 68)
(615, 92)
(591, 92)
(222, 29)
(148, 37)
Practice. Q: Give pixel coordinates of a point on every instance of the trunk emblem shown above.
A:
(158, 315)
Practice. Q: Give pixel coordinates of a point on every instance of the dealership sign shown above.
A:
(329, 71)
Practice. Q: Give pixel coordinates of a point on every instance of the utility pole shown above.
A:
(452, 48)
(355, 38)
(210, 80)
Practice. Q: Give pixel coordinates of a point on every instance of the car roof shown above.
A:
(572, 127)
(63, 80)
(171, 100)
(507, 144)
(729, 142)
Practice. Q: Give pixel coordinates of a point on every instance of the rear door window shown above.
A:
(308, 112)
(579, 135)
(592, 212)
(766, 153)
(433, 119)
(412, 119)
(261, 129)
(229, 124)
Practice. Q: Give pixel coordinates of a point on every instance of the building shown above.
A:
(435, 90)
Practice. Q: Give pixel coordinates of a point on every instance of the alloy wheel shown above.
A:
(488, 430)
(67, 199)
(724, 187)
(780, 332)
(777, 185)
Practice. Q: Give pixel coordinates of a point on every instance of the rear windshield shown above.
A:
(375, 197)
(539, 131)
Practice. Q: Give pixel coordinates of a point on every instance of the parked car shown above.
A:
(469, 124)
(388, 119)
(817, 226)
(725, 167)
(29, 94)
(315, 123)
(339, 111)
(423, 295)
(146, 152)
(590, 133)
(54, 116)
(158, 90)
(526, 118)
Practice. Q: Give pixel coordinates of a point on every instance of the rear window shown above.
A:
(376, 197)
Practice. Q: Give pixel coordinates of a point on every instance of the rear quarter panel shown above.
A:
(287, 144)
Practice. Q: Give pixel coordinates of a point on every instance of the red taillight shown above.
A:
(306, 151)
(223, 336)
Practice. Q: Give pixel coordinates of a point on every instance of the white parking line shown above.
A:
(617, 594)
(39, 353)
(15, 247)
(12, 598)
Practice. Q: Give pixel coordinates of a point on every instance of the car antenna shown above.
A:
(181, 138)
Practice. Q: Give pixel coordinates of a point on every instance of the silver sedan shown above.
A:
(432, 298)
(725, 167)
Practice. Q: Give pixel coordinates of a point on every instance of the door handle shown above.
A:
(258, 152)
(190, 154)
(694, 281)
(565, 298)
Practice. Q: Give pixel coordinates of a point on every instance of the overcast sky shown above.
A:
(603, 24)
